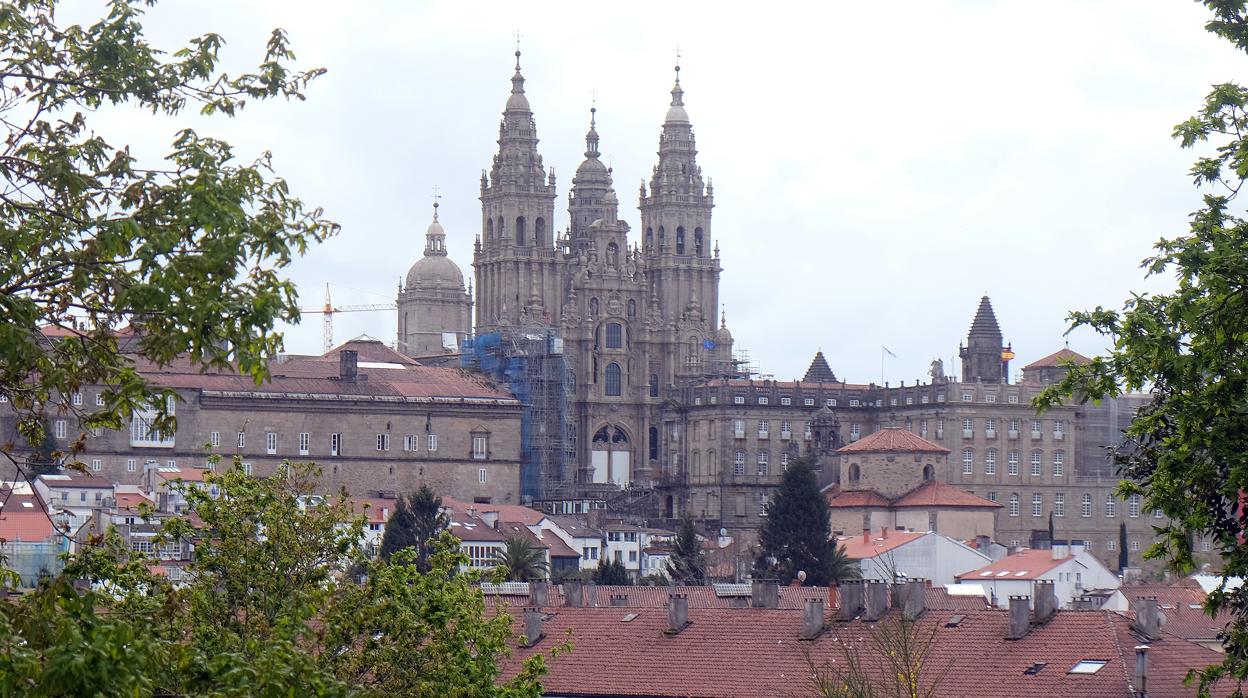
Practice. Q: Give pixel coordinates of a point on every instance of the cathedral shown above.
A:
(634, 317)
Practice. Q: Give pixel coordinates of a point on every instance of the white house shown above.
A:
(1072, 570)
(910, 554)
(74, 493)
(586, 540)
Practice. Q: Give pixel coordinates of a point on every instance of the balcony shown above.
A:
(1011, 434)
(1059, 435)
(853, 437)
(1035, 436)
(990, 433)
(738, 433)
(786, 435)
(968, 433)
(764, 434)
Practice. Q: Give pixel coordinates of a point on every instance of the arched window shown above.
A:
(613, 255)
(697, 464)
(519, 230)
(929, 473)
(662, 236)
(539, 231)
(712, 467)
(615, 335)
(654, 443)
(680, 239)
(602, 436)
(649, 238)
(502, 230)
(1014, 504)
(613, 379)
(697, 241)
(854, 472)
(654, 385)
(632, 308)
(489, 230)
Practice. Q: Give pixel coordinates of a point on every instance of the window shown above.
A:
(58, 428)
(990, 462)
(738, 399)
(852, 403)
(762, 400)
(1035, 428)
(615, 335)
(270, 443)
(809, 402)
(1204, 546)
(482, 475)
(1135, 545)
(131, 465)
(480, 447)
(968, 426)
(764, 429)
(1012, 399)
(990, 427)
(654, 386)
(78, 397)
(433, 442)
(1059, 463)
(383, 442)
(854, 472)
(990, 397)
(1014, 504)
(786, 429)
(806, 431)
(738, 463)
(613, 379)
(763, 466)
(96, 464)
(786, 401)
(246, 468)
(1059, 504)
(1111, 545)
(967, 397)
(909, 399)
(923, 399)
(762, 503)
(854, 431)
(172, 463)
(335, 444)
(1133, 506)
(1157, 513)
(1014, 426)
(1037, 504)
(738, 428)
(99, 399)
(305, 442)
(968, 461)
(1085, 505)
(784, 462)
(1011, 462)
(242, 439)
(214, 439)
(1087, 666)
(1111, 506)
(1036, 459)
(411, 442)
(923, 428)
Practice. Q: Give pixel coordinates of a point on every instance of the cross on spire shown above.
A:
(436, 196)
(518, 35)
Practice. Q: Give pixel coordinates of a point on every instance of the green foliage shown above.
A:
(1186, 451)
(687, 564)
(185, 253)
(612, 573)
(519, 561)
(46, 456)
(796, 536)
(417, 518)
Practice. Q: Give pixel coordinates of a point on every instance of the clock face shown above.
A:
(708, 344)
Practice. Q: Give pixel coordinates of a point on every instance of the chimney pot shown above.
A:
(1045, 600)
(348, 365)
(538, 593)
(572, 594)
(914, 599)
(677, 612)
(619, 599)
(765, 594)
(1147, 618)
(876, 602)
(851, 593)
(1141, 668)
(532, 626)
(813, 618)
(591, 594)
(1020, 621)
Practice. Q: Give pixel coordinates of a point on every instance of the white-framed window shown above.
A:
(1037, 504)
(305, 443)
(1011, 462)
(242, 439)
(809, 401)
(1085, 505)
(78, 397)
(762, 503)
(335, 444)
(968, 425)
(214, 439)
(1014, 425)
(383, 442)
(1157, 514)
(807, 433)
(852, 403)
(1059, 463)
(990, 462)
(854, 430)
(738, 428)
(1135, 545)
(940, 397)
(967, 397)
(924, 399)
(1059, 504)
(992, 496)
(1133, 506)
(482, 475)
(786, 429)
(172, 462)
(738, 399)
(131, 465)
(1204, 546)
(784, 462)
(990, 427)
(763, 466)
(433, 443)
(480, 446)
(99, 399)
(909, 399)
(270, 442)
(1059, 429)
(4, 399)
(1037, 461)
(923, 428)
(764, 429)
(1012, 399)
(1036, 428)
(97, 464)
(1111, 545)
(58, 429)
(1111, 506)
(1014, 504)
(246, 468)
(786, 401)
(968, 461)
(990, 397)
(738, 463)
(762, 400)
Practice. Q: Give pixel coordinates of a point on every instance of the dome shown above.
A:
(518, 102)
(435, 228)
(592, 169)
(433, 272)
(677, 114)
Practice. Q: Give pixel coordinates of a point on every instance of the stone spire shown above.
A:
(983, 357)
(819, 371)
(591, 193)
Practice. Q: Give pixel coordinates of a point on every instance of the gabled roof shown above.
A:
(858, 549)
(375, 509)
(506, 512)
(1059, 358)
(856, 498)
(819, 371)
(1028, 564)
(75, 479)
(934, 493)
(473, 530)
(184, 474)
(892, 440)
(1182, 607)
(21, 518)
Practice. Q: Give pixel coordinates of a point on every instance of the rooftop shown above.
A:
(1027, 564)
(893, 440)
(1058, 358)
(934, 493)
(865, 547)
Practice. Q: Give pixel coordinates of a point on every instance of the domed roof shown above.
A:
(435, 272)
(517, 101)
(676, 112)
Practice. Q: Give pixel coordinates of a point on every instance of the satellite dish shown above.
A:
(801, 576)
(723, 532)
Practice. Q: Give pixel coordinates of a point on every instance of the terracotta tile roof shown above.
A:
(938, 599)
(791, 598)
(375, 509)
(21, 518)
(934, 493)
(75, 479)
(555, 544)
(1182, 610)
(858, 549)
(892, 440)
(856, 498)
(184, 474)
(132, 500)
(575, 527)
(472, 530)
(1058, 358)
(758, 653)
(1028, 564)
(506, 512)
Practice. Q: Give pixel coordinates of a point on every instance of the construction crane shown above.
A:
(329, 309)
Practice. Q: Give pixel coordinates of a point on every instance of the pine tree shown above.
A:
(612, 573)
(416, 519)
(687, 564)
(795, 537)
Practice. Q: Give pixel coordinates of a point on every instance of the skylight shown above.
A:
(1021, 574)
(1087, 666)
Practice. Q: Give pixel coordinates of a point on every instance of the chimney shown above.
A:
(677, 613)
(572, 594)
(538, 593)
(532, 626)
(866, 536)
(851, 593)
(884, 532)
(1147, 618)
(982, 544)
(348, 365)
(1060, 550)
(913, 599)
(619, 599)
(1020, 620)
(812, 619)
(1045, 600)
(591, 594)
(876, 601)
(765, 594)
(1078, 546)
(1141, 670)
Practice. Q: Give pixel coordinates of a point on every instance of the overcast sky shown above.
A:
(877, 166)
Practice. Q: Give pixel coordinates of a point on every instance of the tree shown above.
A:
(1186, 451)
(893, 661)
(612, 573)
(417, 518)
(795, 536)
(46, 456)
(177, 258)
(519, 561)
(687, 564)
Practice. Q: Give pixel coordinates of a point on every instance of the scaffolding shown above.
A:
(531, 364)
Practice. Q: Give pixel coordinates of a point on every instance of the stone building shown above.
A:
(435, 312)
(371, 418)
